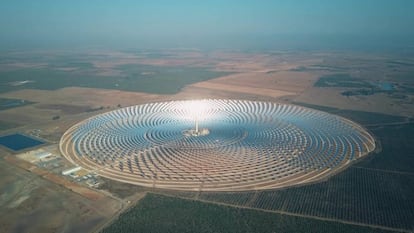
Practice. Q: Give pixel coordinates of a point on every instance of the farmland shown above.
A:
(144, 78)
(341, 80)
(157, 213)
(357, 195)
(373, 195)
(6, 103)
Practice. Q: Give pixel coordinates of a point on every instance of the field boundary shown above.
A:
(289, 213)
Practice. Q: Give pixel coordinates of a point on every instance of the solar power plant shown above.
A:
(216, 145)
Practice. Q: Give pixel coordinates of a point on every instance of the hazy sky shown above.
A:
(221, 23)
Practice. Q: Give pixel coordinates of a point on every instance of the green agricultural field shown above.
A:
(356, 195)
(157, 213)
(397, 149)
(400, 63)
(341, 80)
(363, 118)
(162, 79)
(142, 78)
(6, 103)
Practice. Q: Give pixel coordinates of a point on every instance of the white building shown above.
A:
(71, 170)
(42, 155)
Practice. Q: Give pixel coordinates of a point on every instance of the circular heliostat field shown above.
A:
(215, 145)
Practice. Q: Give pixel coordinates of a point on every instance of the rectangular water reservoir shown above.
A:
(17, 142)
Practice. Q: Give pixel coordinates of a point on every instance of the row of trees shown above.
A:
(358, 194)
(156, 213)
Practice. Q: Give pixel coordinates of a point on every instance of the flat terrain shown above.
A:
(30, 203)
(119, 76)
(156, 213)
(12, 103)
(52, 90)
